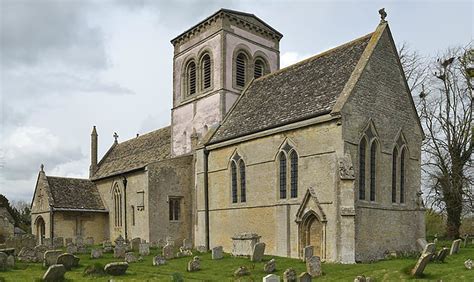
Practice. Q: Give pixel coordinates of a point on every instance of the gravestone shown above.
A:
(144, 249)
(89, 241)
(58, 242)
(116, 268)
(40, 250)
(96, 253)
(430, 248)
(194, 264)
(241, 271)
(130, 257)
(466, 237)
(201, 249)
(76, 261)
(257, 253)
(269, 266)
(271, 278)
(68, 241)
(119, 251)
(244, 243)
(187, 244)
(3, 261)
(161, 243)
(170, 241)
(71, 248)
(10, 261)
(289, 275)
(79, 241)
(120, 241)
(313, 266)
(442, 254)
(468, 264)
(167, 252)
(55, 273)
(67, 260)
(420, 265)
(307, 252)
(50, 257)
(305, 277)
(360, 278)
(455, 247)
(48, 242)
(158, 260)
(135, 243)
(107, 247)
(217, 252)
(27, 254)
(421, 243)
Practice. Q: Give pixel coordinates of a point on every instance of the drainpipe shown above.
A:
(206, 197)
(51, 224)
(124, 181)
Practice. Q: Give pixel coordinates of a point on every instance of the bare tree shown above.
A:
(445, 108)
(414, 66)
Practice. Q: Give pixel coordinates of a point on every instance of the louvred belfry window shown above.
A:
(241, 65)
(259, 69)
(206, 71)
(191, 73)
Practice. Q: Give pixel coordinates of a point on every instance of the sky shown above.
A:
(68, 65)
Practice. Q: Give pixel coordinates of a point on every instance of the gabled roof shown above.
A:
(301, 91)
(135, 153)
(74, 194)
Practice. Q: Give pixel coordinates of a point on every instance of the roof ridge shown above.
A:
(142, 135)
(314, 57)
(63, 177)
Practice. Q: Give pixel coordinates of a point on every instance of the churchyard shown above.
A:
(180, 263)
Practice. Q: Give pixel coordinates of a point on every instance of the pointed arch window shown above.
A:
(242, 181)
(402, 175)
(362, 154)
(373, 168)
(283, 173)
(394, 174)
(233, 168)
(206, 71)
(191, 78)
(294, 174)
(259, 68)
(238, 179)
(117, 197)
(240, 69)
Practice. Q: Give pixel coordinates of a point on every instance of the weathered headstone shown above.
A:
(130, 257)
(58, 242)
(187, 244)
(258, 252)
(40, 250)
(465, 238)
(3, 261)
(421, 243)
(455, 247)
(119, 251)
(360, 278)
(119, 241)
(68, 241)
(307, 252)
(27, 254)
(430, 248)
(107, 247)
(79, 241)
(89, 241)
(271, 278)
(305, 277)
(67, 260)
(201, 249)
(48, 242)
(71, 248)
(55, 273)
(170, 241)
(50, 257)
(217, 252)
(144, 249)
(313, 266)
(10, 261)
(194, 264)
(167, 252)
(135, 243)
(96, 253)
(442, 254)
(241, 271)
(468, 264)
(269, 266)
(421, 264)
(116, 268)
(289, 275)
(159, 260)
(243, 244)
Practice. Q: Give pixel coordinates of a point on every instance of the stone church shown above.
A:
(325, 152)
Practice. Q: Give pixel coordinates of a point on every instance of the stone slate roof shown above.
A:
(135, 153)
(304, 90)
(74, 193)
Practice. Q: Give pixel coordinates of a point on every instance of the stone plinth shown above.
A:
(244, 243)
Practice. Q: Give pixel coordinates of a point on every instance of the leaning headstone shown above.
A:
(269, 266)
(144, 249)
(158, 260)
(89, 241)
(455, 247)
(27, 254)
(258, 252)
(96, 253)
(3, 261)
(10, 261)
(40, 250)
(67, 260)
(307, 252)
(50, 257)
(201, 249)
(217, 252)
(421, 264)
(55, 273)
(305, 277)
(468, 264)
(130, 257)
(119, 251)
(135, 244)
(430, 248)
(167, 252)
(271, 278)
(313, 266)
(71, 248)
(116, 268)
(194, 264)
(442, 254)
(289, 275)
(241, 271)
(421, 243)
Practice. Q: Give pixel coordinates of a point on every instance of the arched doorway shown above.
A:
(312, 233)
(40, 229)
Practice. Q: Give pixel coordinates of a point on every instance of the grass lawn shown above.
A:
(222, 270)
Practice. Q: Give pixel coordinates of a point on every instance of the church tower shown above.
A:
(213, 63)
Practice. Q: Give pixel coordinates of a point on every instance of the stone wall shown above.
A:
(84, 224)
(380, 96)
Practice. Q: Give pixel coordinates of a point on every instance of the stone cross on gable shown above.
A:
(116, 137)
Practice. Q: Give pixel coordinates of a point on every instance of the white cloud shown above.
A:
(289, 58)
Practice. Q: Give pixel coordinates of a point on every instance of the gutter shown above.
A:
(124, 181)
(79, 210)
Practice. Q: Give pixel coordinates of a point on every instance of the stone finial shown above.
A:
(94, 131)
(383, 15)
(116, 137)
(42, 167)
